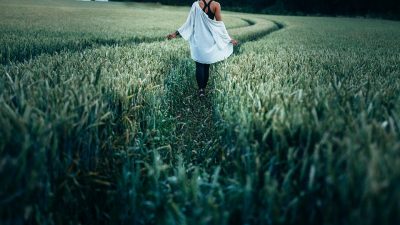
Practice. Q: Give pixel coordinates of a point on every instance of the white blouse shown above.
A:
(208, 39)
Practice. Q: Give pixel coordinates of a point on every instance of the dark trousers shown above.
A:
(202, 74)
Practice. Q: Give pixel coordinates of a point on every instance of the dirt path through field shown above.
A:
(197, 133)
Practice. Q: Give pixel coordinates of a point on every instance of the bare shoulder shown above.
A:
(215, 5)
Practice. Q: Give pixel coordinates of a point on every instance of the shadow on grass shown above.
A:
(195, 128)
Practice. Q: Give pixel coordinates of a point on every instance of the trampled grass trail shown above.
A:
(198, 130)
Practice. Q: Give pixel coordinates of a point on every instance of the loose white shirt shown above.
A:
(208, 39)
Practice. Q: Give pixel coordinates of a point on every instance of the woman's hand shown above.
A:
(234, 42)
(171, 36)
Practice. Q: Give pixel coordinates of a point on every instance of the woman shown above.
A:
(208, 38)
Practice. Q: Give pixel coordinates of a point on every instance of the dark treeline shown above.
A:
(375, 8)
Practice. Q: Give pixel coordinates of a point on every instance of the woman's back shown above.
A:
(208, 8)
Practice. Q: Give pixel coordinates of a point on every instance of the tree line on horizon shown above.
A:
(380, 8)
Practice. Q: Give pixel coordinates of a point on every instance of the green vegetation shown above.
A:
(100, 121)
(316, 114)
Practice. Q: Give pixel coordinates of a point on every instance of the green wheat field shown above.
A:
(100, 122)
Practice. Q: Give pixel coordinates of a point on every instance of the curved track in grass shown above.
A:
(61, 41)
(197, 132)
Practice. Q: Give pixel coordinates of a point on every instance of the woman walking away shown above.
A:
(208, 38)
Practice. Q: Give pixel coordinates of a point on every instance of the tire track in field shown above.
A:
(94, 43)
(197, 130)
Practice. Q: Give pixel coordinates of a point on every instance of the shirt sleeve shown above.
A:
(219, 33)
(186, 30)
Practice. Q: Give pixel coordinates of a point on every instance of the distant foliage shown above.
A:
(381, 8)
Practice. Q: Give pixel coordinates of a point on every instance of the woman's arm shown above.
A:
(173, 35)
(186, 30)
(218, 17)
(217, 13)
